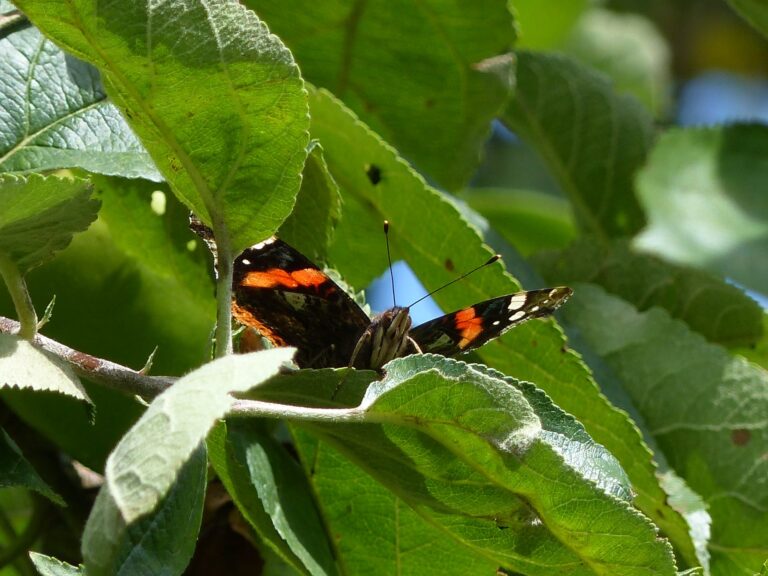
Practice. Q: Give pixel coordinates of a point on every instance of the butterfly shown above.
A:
(289, 301)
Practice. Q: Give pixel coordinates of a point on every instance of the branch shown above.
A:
(104, 372)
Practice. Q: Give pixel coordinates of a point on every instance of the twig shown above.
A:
(104, 372)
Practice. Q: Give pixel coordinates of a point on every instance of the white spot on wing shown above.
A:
(495, 322)
(246, 262)
(517, 316)
(266, 242)
(517, 302)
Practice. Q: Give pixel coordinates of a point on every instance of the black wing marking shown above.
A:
(472, 327)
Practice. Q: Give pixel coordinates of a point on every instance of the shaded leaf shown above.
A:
(311, 225)
(719, 311)
(544, 25)
(270, 490)
(630, 50)
(23, 366)
(237, 162)
(530, 221)
(56, 114)
(160, 543)
(702, 191)
(39, 215)
(381, 58)
(592, 139)
(49, 566)
(753, 11)
(705, 409)
(15, 470)
(437, 248)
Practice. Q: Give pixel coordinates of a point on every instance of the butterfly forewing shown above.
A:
(472, 327)
(291, 302)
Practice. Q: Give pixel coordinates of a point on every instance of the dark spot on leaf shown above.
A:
(128, 114)
(534, 343)
(564, 349)
(741, 436)
(175, 164)
(374, 173)
(449, 265)
(429, 103)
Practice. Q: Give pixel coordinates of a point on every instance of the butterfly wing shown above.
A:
(291, 302)
(472, 327)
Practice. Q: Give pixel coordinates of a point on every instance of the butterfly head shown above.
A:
(385, 339)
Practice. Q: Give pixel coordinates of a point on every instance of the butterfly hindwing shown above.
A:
(472, 327)
(291, 302)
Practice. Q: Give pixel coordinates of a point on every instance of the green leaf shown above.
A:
(56, 114)
(15, 470)
(592, 139)
(753, 11)
(216, 100)
(630, 50)
(270, 490)
(719, 311)
(140, 470)
(311, 225)
(702, 192)
(428, 76)
(160, 543)
(528, 220)
(705, 409)
(39, 215)
(438, 248)
(399, 540)
(477, 453)
(24, 366)
(544, 25)
(49, 566)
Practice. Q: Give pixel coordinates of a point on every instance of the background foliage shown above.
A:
(627, 437)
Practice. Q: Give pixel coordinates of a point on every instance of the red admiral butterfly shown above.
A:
(291, 302)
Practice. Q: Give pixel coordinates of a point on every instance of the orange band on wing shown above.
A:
(246, 318)
(469, 326)
(275, 277)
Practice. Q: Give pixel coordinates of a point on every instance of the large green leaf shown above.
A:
(271, 491)
(498, 466)
(143, 466)
(429, 232)
(161, 543)
(630, 50)
(215, 98)
(705, 408)
(592, 139)
(429, 76)
(702, 190)
(15, 470)
(375, 532)
(719, 311)
(39, 215)
(56, 114)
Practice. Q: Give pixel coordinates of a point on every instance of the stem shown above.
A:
(257, 408)
(104, 372)
(224, 260)
(20, 296)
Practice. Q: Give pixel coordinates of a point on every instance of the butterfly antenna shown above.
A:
(389, 260)
(490, 261)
